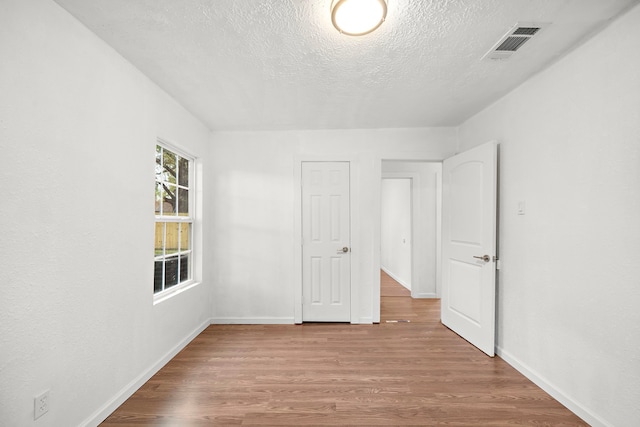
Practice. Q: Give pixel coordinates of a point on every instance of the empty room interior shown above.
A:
(282, 140)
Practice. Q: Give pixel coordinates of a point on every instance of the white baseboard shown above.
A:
(396, 278)
(252, 321)
(424, 295)
(113, 404)
(268, 321)
(552, 390)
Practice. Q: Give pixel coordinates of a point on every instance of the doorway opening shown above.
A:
(410, 225)
(396, 230)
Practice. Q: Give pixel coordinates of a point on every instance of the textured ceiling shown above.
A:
(279, 64)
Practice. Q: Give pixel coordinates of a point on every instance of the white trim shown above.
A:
(297, 239)
(552, 390)
(177, 149)
(417, 156)
(355, 223)
(107, 409)
(194, 230)
(419, 206)
(438, 234)
(252, 321)
(424, 295)
(176, 219)
(173, 291)
(173, 255)
(356, 256)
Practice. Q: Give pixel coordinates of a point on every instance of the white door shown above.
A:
(326, 253)
(469, 186)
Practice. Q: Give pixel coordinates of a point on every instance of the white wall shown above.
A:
(78, 126)
(253, 237)
(569, 288)
(395, 253)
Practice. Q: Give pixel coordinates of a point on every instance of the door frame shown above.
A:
(377, 218)
(356, 255)
(419, 207)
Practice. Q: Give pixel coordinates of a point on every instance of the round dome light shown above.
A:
(358, 17)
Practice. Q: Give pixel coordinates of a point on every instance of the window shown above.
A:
(174, 220)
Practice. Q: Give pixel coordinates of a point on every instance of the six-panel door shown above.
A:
(326, 250)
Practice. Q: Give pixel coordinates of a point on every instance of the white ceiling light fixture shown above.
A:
(358, 17)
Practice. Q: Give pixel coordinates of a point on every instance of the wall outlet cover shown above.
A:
(41, 405)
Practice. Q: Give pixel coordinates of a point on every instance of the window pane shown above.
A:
(184, 236)
(159, 198)
(170, 272)
(169, 166)
(159, 250)
(158, 163)
(184, 268)
(183, 172)
(171, 239)
(157, 276)
(183, 202)
(169, 197)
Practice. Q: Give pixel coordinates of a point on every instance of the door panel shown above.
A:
(466, 197)
(469, 190)
(326, 268)
(464, 297)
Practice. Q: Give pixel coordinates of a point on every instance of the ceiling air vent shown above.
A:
(517, 36)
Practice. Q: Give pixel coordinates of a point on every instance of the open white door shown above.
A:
(469, 187)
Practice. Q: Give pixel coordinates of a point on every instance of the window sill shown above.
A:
(171, 292)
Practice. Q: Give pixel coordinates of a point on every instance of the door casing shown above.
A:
(419, 208)
(356, 256)
(396, 156)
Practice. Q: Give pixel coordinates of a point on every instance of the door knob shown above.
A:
(485, 258)
(343, 250)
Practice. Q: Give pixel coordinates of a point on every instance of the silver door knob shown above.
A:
(344, 250)
(485, 258)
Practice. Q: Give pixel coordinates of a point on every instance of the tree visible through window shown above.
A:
(173, 254)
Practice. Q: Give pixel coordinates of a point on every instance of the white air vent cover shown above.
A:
(517, 36)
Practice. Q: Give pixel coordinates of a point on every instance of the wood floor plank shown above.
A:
(415, 373)
(390, 288)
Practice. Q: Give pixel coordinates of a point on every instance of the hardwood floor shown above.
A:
(415, 373)
(391, 288)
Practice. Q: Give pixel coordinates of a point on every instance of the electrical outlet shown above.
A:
(41, 405)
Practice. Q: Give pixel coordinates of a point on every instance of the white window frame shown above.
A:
(190, 219)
